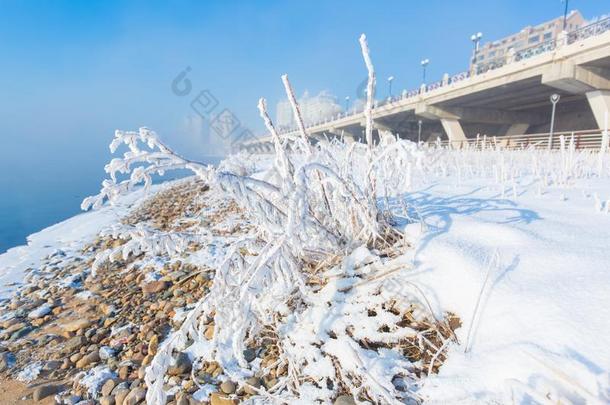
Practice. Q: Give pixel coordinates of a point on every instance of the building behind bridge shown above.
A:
(497, 52)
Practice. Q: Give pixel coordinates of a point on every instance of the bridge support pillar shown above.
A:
(386, 134)
(599, 100)
(453, 129)
(517, 129)
(343, 134)
(348, 138)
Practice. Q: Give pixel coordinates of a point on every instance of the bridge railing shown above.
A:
(590, 30)
(587, 139)
(535, 50)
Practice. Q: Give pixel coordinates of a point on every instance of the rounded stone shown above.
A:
(250, 383)
(344, 400)
(228, 387)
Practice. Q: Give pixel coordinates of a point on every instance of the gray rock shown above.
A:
(121, 386)
(7, 360)
(88, 359)
(106, 400)
(249, 354)
(252, 382)
(41, 311)
(106, 352)
(44, 391)
(74, 344)
(71, 400)
(228, 387)
(183, 400)
(344, 400)
(52, 365)
(21, 333)
(183, 365)
(135, 396)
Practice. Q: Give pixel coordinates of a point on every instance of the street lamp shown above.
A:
(346, 103)
(475, 38)
(390, 79)
(554, 101)
(424, 63)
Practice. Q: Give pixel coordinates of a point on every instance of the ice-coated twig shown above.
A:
(370, 90)
(296, 111)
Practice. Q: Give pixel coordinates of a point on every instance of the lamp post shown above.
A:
(476, 39)
(424, 63)
(565, 14)
(419, 131)
(390, 79)
(554, 100)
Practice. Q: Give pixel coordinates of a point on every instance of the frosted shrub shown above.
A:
(314, 205)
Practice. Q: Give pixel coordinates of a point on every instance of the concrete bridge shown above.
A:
(511, 99)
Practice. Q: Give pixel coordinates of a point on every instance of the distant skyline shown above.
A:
(73, 72)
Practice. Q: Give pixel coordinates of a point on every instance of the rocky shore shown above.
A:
(81, 339)
(82, 330)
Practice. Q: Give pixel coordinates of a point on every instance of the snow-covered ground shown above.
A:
(542, 263)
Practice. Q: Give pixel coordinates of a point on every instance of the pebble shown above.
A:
(107, 400)
(41, 311)
(72, 400)
(52, 365)
(121, 386)
(154, 287)
(21, 333)
(183, 365)
(209, 332)
(76, 325)
(252, 382)
(14, 327)
(228, 387)
(153, 345)
(107, 309)
(91, 358)
(123, 372)
(107, 387)
(44, 391)
(135, 396)
(74, 344)
(8, 323)
(7, 360)
(183, 400)
(106, 352)
(218, 398)
(249, 355)
(120, 395)
(344, 400)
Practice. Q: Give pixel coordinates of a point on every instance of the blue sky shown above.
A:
(72, 72)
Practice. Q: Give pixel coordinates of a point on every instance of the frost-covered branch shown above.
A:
(297, 114)
(370, 90)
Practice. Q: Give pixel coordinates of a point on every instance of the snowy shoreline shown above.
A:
(66, 235)
(526, 271)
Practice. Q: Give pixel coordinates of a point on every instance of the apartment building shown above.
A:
(530, 36)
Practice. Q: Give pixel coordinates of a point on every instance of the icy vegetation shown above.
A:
(319, 277)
